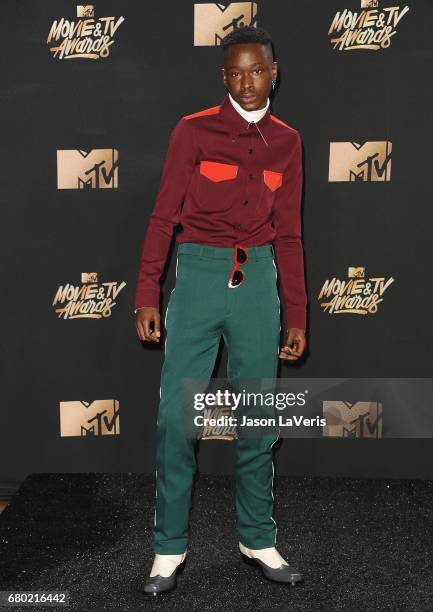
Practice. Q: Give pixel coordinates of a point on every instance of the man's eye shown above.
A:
(258, 70)
(234, 74)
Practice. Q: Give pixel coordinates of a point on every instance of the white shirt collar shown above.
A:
(253, 115)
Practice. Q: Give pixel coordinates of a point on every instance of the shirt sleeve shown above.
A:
(288, 240)
(177, 171)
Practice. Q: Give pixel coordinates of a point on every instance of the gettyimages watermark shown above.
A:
(372, 408)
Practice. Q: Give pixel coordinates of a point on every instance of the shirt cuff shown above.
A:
(296, 318)
(140, 307)
(147, 297)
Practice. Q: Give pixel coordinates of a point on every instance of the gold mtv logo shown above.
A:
(359, 420)
(350, 161)
(95, 169)
(213, 21)
(356, 272)
(96, 418)
(217, 432)
(85, 10)
(89, 277)
(369, 4)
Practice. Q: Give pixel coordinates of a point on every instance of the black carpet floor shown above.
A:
(362, 544)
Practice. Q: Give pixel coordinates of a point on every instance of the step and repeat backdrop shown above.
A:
(89, 96)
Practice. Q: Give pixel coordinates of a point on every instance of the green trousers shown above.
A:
(201, 309)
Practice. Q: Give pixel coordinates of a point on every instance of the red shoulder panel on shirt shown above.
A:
(282, 123)
(213, 110)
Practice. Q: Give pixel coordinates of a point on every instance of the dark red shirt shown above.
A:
(228, 181)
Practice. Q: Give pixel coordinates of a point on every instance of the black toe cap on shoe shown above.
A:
(158, 584)
(284, 573)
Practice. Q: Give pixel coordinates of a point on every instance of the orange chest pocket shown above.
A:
(273, 179)
(217, 171)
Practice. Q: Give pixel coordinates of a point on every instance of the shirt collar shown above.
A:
(235, 123)
(252, 115)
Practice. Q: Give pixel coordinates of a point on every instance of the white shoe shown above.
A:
(163, 575)
(164, 565)
(271, 563)
(270, 556)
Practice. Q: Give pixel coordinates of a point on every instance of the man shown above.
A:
(232, 178)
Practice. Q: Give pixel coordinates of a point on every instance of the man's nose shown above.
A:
(246, 81)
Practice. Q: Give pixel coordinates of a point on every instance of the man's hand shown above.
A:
(143, 319)
(295, 344)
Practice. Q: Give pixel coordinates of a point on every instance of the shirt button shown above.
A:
(237, 226)
(245, 202)
(251, 176)
(250, 151)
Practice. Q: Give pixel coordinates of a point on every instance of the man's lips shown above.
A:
(248, 97)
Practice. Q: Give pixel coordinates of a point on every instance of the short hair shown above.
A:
(248, 34)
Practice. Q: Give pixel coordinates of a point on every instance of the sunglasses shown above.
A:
(237, 275)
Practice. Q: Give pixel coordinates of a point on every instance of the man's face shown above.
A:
(248, 72)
